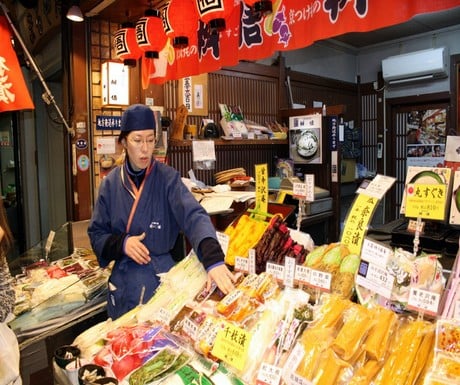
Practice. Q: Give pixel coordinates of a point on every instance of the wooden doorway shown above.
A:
(431, 113)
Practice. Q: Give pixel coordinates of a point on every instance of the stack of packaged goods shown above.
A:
(267, 331)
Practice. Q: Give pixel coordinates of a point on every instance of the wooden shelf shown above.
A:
(231, 142)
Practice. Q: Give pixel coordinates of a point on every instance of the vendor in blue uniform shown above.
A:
(141, 208)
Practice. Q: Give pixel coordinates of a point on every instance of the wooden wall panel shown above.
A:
(256, 93)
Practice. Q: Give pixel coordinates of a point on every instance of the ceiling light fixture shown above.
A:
(74, 13)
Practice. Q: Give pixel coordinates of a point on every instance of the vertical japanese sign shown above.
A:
(194, 94)
(262, 188)
(357, 222)
(360, 215)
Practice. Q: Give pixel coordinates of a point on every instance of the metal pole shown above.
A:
(47, 96)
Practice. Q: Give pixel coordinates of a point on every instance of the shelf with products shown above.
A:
(244, 153)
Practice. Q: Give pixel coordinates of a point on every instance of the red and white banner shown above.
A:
(293, 24)
(14, 94)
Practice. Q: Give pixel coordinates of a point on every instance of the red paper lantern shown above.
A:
(260, 7)
(126, 47)
(182, 19)
(150, 35)
(215, 12)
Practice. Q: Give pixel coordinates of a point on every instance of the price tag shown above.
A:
(289, 271)
(276, 270)
(293, 361)
(232, 345)
(375, 278)
(190, 328)
(320, 280)
(295, 379)
(378, 186)
(310, 186)
(252, 261)
(414, 226)
(49, 242)
(299, 190)
(163, 315)
(375, 252)
(268, 375)
(224, 240)
(423, 301)
(241, 264)
(236, 134)
(302, 274)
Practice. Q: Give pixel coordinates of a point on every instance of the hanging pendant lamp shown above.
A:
(215, 12)
(182, 19)
(150, 35)
(126, 47)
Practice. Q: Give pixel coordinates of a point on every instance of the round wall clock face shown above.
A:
(307, 144)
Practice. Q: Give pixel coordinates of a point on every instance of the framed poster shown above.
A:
(426, 138)
(193, 94)
(305, 138)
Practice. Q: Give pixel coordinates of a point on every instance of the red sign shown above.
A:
(14, 94)
(292, 25)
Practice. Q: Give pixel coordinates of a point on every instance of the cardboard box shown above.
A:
(348, 171)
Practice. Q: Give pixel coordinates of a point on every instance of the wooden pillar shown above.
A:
(79, 170)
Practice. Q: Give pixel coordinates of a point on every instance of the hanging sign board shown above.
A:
(292, 25)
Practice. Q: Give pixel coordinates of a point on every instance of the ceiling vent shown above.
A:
(422, 65)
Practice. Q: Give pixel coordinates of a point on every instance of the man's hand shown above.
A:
(136, 250)
(223, 278)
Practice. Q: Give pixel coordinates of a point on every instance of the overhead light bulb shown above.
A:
(74, 13)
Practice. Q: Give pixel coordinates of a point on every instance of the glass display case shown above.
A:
(55, 281)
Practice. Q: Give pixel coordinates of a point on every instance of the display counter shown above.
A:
(60, 291)
(37, 352)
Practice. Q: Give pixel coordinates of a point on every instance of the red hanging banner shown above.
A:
(292, 25)
(14, 94)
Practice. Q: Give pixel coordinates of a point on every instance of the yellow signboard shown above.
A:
(232, 345)
(357, 222)
(426, 201)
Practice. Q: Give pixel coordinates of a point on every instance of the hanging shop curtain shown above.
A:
(292, 25)
(14, 94)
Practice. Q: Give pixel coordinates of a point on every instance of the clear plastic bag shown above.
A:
(9, 356)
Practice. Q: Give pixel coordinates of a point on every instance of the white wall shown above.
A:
(370, 59)
(338, 61)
